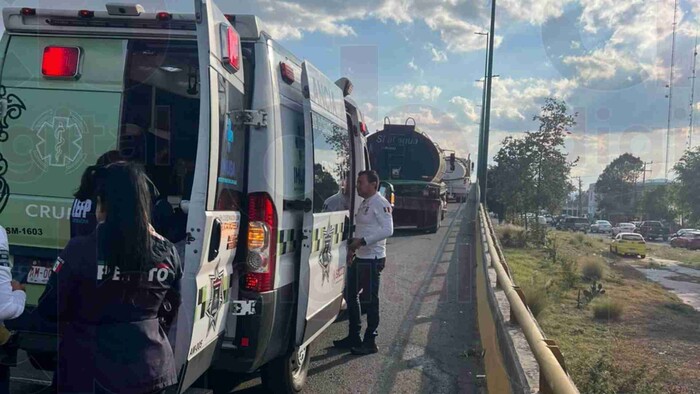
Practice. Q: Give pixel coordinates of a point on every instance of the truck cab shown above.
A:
(241, 138)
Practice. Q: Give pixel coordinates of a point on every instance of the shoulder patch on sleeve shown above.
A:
(58, 264)
(387, 209)
(4, 258)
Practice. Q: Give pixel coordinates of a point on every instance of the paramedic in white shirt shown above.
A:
(374, 225)
(12, 299)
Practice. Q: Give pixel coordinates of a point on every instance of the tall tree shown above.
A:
(688, 190)
(615, 188)
(532, 172)
(655, 204)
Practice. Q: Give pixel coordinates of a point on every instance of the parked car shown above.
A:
(574, 224)
(683, 231)
(629, 244)
(689, 240)
(601, 226)
(652, 229)
(623, 228)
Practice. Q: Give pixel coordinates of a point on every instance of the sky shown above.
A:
(610, 60)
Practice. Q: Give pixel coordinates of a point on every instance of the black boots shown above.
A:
(348, 342)
(368, 347)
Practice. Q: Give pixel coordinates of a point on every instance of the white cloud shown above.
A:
(518, 99)
(468, 107)
(413, 66)
(410, 91)
(438, 55)
(534, 11)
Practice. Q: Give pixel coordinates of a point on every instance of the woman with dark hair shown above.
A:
(82, 214)
(106, 292)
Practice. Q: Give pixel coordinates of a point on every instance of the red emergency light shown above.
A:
(164, 16)
(28, 11)
(287, 73)
(231, 48)
(86, 13)
(363, 128)
(60, 62)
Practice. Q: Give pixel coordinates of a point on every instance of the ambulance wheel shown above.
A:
(287, 374)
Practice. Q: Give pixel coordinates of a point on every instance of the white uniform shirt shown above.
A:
(374, 223)
(11, 302)
(336, 202)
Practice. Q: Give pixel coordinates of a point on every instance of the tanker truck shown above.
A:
(412, 164)
(457, 175)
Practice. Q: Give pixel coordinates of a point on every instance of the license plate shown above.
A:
(39, 275)
(243, 307)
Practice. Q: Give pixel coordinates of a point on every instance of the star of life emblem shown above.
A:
(60, 141)
(216, 298)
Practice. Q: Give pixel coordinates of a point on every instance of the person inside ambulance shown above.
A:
(12, 299)
(107, 291)
(82, 216)
(340, 201)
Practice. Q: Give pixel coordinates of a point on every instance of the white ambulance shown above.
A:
(245, 141)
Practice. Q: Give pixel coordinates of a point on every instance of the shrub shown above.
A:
(569, 273)
(538, 234)
(591, 268)
(512, 236)
(536, 298)
(607, 309)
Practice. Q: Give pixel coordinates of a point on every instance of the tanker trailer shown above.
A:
(456, 178)
(413, 164)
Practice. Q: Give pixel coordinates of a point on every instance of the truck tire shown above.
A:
(287, 374)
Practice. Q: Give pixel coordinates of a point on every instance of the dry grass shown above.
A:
(655, 329)
(607, 309)
(689, 258)
(592, 268)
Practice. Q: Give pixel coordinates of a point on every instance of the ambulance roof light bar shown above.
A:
(125, 9)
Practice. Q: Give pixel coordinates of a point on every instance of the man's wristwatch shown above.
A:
(363, 242)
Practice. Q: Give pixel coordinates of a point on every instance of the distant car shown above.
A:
(629, 244)
(541, 220)
(689, 240)
(652, 229)
(623, 228)
(683, 231)
(574, 224)
(601, 226)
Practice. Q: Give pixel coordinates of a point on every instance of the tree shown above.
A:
(532, 172)
(616, 186)
(688, 190)
(655, 204)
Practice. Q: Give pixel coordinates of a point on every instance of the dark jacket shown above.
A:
(111, 339)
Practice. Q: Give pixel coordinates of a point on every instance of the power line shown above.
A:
(670, 88)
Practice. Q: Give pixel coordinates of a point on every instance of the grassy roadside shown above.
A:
(688, 258)
(644, 339)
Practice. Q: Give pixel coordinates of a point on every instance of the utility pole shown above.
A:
(580, 193)
(670, 89)
(484, 141)
(644, 179)
(692, 93)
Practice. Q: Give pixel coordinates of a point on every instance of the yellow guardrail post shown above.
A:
(553, 376)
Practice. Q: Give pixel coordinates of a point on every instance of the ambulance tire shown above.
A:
(288, 373)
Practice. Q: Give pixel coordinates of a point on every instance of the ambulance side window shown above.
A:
(229, 181)
(331, 165)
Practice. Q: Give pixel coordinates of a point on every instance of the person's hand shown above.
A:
(16, 286)
(355, 244)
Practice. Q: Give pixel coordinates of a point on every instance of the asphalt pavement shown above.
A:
(428, 325)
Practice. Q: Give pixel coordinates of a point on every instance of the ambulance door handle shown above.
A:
(297, 205)
(215, 240)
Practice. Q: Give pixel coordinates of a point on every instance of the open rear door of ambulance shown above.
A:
(325, 228)
(210, 281)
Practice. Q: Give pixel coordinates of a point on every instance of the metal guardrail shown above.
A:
(553, 376)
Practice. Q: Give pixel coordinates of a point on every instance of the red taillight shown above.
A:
(245, 342)
(231, 48)
(287, 73)
(28, 11)
(60, 62)
(86, 13)
(164, 16)
(262, 243)
(363, 128)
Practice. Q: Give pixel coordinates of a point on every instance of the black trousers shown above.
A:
(364, 275)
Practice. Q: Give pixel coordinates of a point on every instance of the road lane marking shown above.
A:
(30, 380)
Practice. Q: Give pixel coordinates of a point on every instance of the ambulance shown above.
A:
(244, 140)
